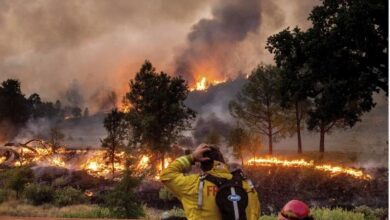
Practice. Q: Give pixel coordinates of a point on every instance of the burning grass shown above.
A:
(333, 170)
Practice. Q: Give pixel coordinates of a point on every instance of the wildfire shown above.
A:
(203, 84)
(334, 170)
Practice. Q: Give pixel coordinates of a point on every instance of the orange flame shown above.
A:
(334, 170)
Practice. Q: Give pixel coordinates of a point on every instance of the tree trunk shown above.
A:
(322, 138)
(298, 118)
(270, 150)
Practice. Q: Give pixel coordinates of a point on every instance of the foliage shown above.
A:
(122, 201)
(38, 194)
(338, 63)
(175, 213)
(164, 194)
(258, 105)
(370, 213)
(19, 208)
(238, 139)
(115, 125)
(289, 55)
(69, 196)
(17, 178)
(157, 114)
(335, 214)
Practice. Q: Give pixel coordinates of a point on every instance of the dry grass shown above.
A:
(18, 208)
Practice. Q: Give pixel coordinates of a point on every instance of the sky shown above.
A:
(98, 45)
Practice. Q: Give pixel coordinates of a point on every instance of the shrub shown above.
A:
(38, 194)
(164, 194)
(174, 213)
(68, 196)
(17, 178)
(370, 213)
(336, 214)
(122, 201)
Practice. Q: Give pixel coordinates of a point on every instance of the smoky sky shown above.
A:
(98, 45)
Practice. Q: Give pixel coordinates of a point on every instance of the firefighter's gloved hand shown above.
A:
(197, 155)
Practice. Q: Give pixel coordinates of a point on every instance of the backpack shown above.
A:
(231, 197)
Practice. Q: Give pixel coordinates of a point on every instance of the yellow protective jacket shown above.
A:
(185, 188)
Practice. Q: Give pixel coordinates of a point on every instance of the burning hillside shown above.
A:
(95, 163)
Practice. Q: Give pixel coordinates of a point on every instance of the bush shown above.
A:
(372, 214)
(336, 214)
(17, 178)
(38, 194)
(174, 213)
(68, 196)
(164, 194)
(122, 201)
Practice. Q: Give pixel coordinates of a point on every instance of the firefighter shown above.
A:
(198, 196)
(295, 210)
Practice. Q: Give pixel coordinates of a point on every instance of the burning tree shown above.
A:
(157, 114)
(258, 105)
(115, 125)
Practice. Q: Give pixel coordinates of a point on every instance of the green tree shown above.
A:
(116, 127)
(122, 201)
(347, 50)
(258, 105)
(14, 107)
(289, 55)
(238, 139)
(157, 114)
(345, 61)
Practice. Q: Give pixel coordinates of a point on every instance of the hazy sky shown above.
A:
(100, 44)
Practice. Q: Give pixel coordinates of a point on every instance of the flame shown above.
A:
(144, 162)
(334, 170)
(2, 159)
(88, 193)
(57, 161)
(204, 84)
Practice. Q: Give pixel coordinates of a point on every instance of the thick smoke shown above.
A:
(212, 40)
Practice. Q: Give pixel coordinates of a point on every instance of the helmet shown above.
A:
(294, 210)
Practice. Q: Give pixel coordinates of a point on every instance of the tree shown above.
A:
(289, 55)
(254, 144)
(115, 125)
(13, 105)
(56, 136)
(258, 105)
(157, 114)
(238, 139)
(345, 61)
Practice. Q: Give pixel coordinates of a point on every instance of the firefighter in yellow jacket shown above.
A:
(198, 196)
